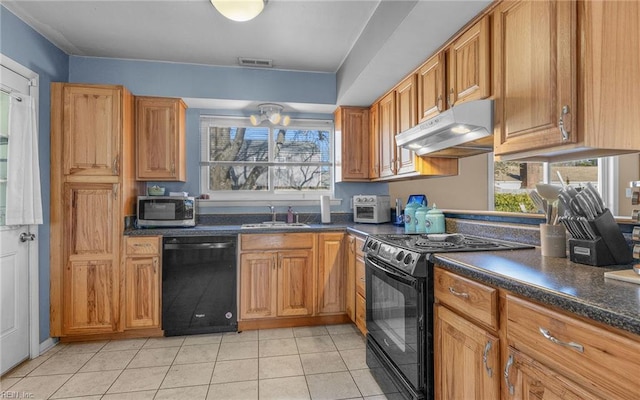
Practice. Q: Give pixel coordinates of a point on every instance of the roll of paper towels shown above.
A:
(325, 209)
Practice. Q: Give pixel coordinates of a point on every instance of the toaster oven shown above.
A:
(371, 209)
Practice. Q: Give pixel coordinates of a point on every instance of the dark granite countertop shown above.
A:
(576, 288)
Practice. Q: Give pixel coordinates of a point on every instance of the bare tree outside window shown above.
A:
(264, 159)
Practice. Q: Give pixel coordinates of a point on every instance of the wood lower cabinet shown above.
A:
(331, 274)
(142, 277)
(160, 139)
(466, 351)
(276, 283)
(352, 143)
(361, 287)
(350, 282)
(92, 190)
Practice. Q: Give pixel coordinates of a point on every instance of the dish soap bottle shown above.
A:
(290, 215)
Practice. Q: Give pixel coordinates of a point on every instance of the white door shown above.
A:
(14, 250)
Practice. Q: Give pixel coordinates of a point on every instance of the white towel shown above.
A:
(24, 202)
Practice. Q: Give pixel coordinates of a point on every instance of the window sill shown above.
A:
(257, 203)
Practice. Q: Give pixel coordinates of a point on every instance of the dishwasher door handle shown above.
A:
(198, 246)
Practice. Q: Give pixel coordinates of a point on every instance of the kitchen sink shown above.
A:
(274, 225)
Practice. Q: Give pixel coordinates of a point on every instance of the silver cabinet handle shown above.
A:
(458, 294)
(485, 354)
(507, 370)
(547, 335)
(565, 133)
(25, 237)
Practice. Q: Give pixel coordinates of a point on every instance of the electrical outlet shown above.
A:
(628, 193)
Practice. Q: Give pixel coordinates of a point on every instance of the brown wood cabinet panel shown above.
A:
(466, 357)
(331, 273)
(589, 355)
(160, 139)
(145, 245)
(352, 135)
(350, 283)
(91, 129)
(277, 241)
(431, 87)
(374, 142)
(468, 61)
(258, 284)
(295, 283)
(360, 277)
(406, 114)
(534, 74)
(361, 314)
(142, 292)
(471, 299)
(388, 131)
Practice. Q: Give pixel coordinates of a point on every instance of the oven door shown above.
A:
(396, 320)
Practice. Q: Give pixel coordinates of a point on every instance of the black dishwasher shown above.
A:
(199, 285)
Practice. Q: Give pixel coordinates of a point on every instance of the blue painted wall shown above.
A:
(25, 46)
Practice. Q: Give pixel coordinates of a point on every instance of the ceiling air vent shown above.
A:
(255, 62)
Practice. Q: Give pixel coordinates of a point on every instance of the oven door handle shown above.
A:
(397, 275)
(198, 246)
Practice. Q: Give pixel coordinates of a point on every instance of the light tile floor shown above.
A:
(318, 363)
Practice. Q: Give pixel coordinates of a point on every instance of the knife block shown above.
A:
(609, 247)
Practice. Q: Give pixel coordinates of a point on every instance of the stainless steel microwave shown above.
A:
(166, 211)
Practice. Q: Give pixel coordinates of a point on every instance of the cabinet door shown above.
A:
(388, 130)
(526, 379)
(468, 61)
(258, 283)
(331, 273)
(535, 74)
(467, 363)
(406, 112)
(350, 290)
(91, 300)
(295, 283)
(374, 142)
(142, 292)
(160, 139)
(361, 314)
(91, 130)
(431, 89)
(352, 125)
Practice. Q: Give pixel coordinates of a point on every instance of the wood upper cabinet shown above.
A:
(534, 74)
(91, 274)
(142, 276)
(388, 130)
(160, 139)
(331, 275)
(469, 65)
(374, 142)
(463, 349)
(406, 109)
(563, 91)
(91, 129)
(352, 141)
(431, 87)
(276, 283)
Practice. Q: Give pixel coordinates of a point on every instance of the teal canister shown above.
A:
(434, 222)
(421, 219)
(410, 217)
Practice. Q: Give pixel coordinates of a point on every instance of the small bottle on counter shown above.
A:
(290, 215)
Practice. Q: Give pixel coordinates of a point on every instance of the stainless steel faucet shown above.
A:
(273, 213)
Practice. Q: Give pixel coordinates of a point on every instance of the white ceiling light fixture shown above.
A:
(272, 113)
(239, 10)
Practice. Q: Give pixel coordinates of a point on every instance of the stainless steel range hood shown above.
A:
(461, 131)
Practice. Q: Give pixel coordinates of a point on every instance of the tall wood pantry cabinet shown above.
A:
(92, 189)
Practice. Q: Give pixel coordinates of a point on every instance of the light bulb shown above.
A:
(239, 10)
(255, 120)
(275, 118)
(286, 120)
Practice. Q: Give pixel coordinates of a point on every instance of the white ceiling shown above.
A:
(370, 44)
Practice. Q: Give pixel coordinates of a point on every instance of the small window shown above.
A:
(240, 160)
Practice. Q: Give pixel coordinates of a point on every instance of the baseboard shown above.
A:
(48, 344)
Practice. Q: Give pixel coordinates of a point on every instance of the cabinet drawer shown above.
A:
(600, 360)
(143, 245)
(471, 299)
(360, 277)
(277, 241)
